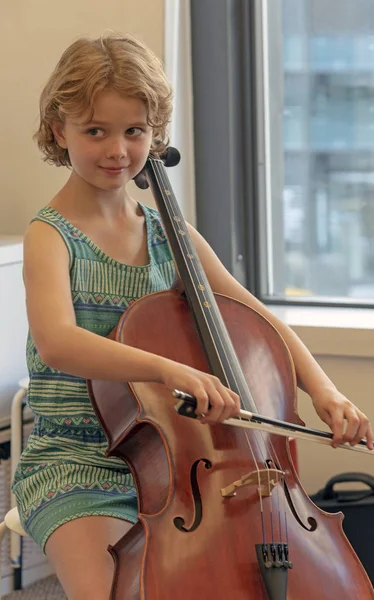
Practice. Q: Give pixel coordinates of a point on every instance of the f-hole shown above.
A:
(312, 522)
(179, 522)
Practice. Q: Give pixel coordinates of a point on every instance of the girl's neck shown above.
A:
(80, 200)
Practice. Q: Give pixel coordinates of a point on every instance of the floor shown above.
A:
(45, 589)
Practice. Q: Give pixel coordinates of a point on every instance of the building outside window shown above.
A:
(323, 245)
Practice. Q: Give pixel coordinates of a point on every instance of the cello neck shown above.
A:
(216, 341)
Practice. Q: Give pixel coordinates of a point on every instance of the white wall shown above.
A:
(13, 324)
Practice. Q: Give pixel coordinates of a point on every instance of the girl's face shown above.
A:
(113, 147)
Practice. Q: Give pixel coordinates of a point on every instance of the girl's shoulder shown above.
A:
(68, 232)
(49, 215)
(158, 244)
(156, 231)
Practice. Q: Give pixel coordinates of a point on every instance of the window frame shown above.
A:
(231, 111)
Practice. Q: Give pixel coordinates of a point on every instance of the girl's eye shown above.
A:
(95, 132)
(134, 131)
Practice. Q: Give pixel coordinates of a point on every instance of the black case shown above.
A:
(358, 509)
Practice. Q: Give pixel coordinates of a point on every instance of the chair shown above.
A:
(11, 521)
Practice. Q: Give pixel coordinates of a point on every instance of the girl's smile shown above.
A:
(113, 171)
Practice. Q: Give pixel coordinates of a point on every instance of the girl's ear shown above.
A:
(58, 132)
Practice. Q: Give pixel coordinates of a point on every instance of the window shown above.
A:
(284, 144)
(321, 244)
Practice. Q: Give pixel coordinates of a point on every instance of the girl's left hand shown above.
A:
(345, 420)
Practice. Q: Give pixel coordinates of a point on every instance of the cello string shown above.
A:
(160, 175)
(159, 172)
(175, 218)
(190, 252)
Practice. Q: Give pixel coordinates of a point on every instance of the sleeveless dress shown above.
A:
(63, 472)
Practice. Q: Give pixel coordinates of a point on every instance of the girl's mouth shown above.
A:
(113, 170)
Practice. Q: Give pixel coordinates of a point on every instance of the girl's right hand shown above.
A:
(207, 389)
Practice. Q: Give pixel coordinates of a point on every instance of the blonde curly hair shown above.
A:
(87, 67)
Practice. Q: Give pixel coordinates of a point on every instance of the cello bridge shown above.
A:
(264, 479)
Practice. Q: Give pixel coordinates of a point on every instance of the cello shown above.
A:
(222, 514)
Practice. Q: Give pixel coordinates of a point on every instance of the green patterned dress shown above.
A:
(64, 473)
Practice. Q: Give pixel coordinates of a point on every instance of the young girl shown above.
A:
(88, 254)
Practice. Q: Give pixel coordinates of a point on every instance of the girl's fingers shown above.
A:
(353, 425)
(369, 437)
(337, 427)
(224, 403)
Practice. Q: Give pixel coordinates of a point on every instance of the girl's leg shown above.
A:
(78, 552)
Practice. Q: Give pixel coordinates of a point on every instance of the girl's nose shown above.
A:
(117, 149)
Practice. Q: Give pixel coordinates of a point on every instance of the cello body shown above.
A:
(192, 542)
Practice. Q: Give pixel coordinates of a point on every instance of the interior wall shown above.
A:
(33, 35)
(353, 376)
